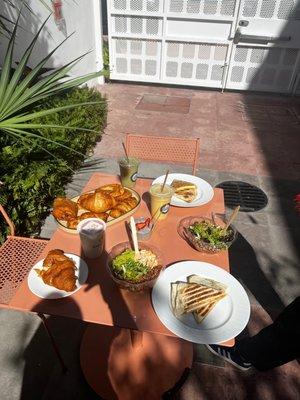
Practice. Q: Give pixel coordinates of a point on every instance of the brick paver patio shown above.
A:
(247, 137)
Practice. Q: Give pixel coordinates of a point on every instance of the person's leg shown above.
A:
(276, 344)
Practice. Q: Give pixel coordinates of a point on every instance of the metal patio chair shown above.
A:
(17, 256)
(164, 148)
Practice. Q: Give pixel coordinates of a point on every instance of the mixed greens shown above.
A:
(211, 233)
(125, 267)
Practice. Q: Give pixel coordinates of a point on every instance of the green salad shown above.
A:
(211, 233)
(125, 267)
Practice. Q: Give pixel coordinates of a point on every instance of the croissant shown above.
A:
(64, 209)
(124, 207)
(86, 215)
(58, 271)
(124, 196)
(97, 202)
(114, 189)
(72, 224)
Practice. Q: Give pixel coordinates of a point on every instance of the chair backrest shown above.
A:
(17, 256)
(8, 220)
(164, 148)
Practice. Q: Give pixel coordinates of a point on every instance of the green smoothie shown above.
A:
(128, 171)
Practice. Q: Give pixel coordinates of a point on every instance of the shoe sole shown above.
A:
(228, 359)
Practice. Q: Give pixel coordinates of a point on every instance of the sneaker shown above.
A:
(229, 355)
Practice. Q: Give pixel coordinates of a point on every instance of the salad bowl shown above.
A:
(207, 235)
(130, 277)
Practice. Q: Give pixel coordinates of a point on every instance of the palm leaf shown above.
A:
(40, 90)
(18, 93)
(21, 66)
(23, 134)
(5, 73)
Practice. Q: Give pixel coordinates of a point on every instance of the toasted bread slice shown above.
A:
(198, 296)
(188, 195)
(203, 311)
(185, 191)
(189, 297)
(179, 185)
(200, 280)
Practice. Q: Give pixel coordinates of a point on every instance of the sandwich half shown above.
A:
(203, 311)
(198, 296)
(184, 190)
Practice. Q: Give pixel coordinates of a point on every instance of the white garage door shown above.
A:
(234, 44)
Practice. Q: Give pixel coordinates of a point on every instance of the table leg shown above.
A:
(54, 345)
(136, 338)
(130, 365)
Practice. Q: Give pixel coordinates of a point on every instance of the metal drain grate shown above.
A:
(249, 197)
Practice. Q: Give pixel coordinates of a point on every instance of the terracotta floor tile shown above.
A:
(234, 134)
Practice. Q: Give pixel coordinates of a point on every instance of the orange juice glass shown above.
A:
(160, 200)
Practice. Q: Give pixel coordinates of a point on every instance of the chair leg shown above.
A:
(54, 345)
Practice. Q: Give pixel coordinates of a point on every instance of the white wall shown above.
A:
(83, 17)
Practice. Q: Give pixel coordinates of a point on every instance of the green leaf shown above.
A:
(8, 62)
(20, 69)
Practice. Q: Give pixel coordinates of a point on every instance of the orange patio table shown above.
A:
(126, 352)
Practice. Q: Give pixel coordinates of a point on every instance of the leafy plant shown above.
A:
(19, 95)
(31, 177)
(106, 68)
(46, 128)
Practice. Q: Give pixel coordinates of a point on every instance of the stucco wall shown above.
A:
(81, 17)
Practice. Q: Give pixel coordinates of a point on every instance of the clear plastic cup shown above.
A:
(144, 233)
(160, 201)
(128, 171)
(91, 232)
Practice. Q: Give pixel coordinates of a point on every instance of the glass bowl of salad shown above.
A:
(207, 235)
(131, 273)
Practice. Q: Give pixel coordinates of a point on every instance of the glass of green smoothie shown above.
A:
(128, 171)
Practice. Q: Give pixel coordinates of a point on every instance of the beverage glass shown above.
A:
(160, 200)
(91, 232)
(128, 171)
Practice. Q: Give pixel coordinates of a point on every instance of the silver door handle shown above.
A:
(239, 37)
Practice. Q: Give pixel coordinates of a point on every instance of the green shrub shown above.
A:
(31, 176)
(106, 67)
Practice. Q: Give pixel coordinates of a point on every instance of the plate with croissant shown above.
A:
(58, 275)
(111, 203)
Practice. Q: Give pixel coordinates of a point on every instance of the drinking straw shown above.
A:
(125, 150)
(155, 222)
(163, 185)
(232, 217)
(134, 237)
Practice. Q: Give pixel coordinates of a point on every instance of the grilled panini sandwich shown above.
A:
(198, 296)
(204, 310)
(186, 191)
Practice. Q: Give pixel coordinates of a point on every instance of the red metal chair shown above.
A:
(164, 148)
(17, 256)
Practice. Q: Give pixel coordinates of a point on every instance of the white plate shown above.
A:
(226, 320)
(205, 191)
(40, 289)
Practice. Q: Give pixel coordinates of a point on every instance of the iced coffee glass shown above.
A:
(91, 232)
(128, 171)
(160, 200)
